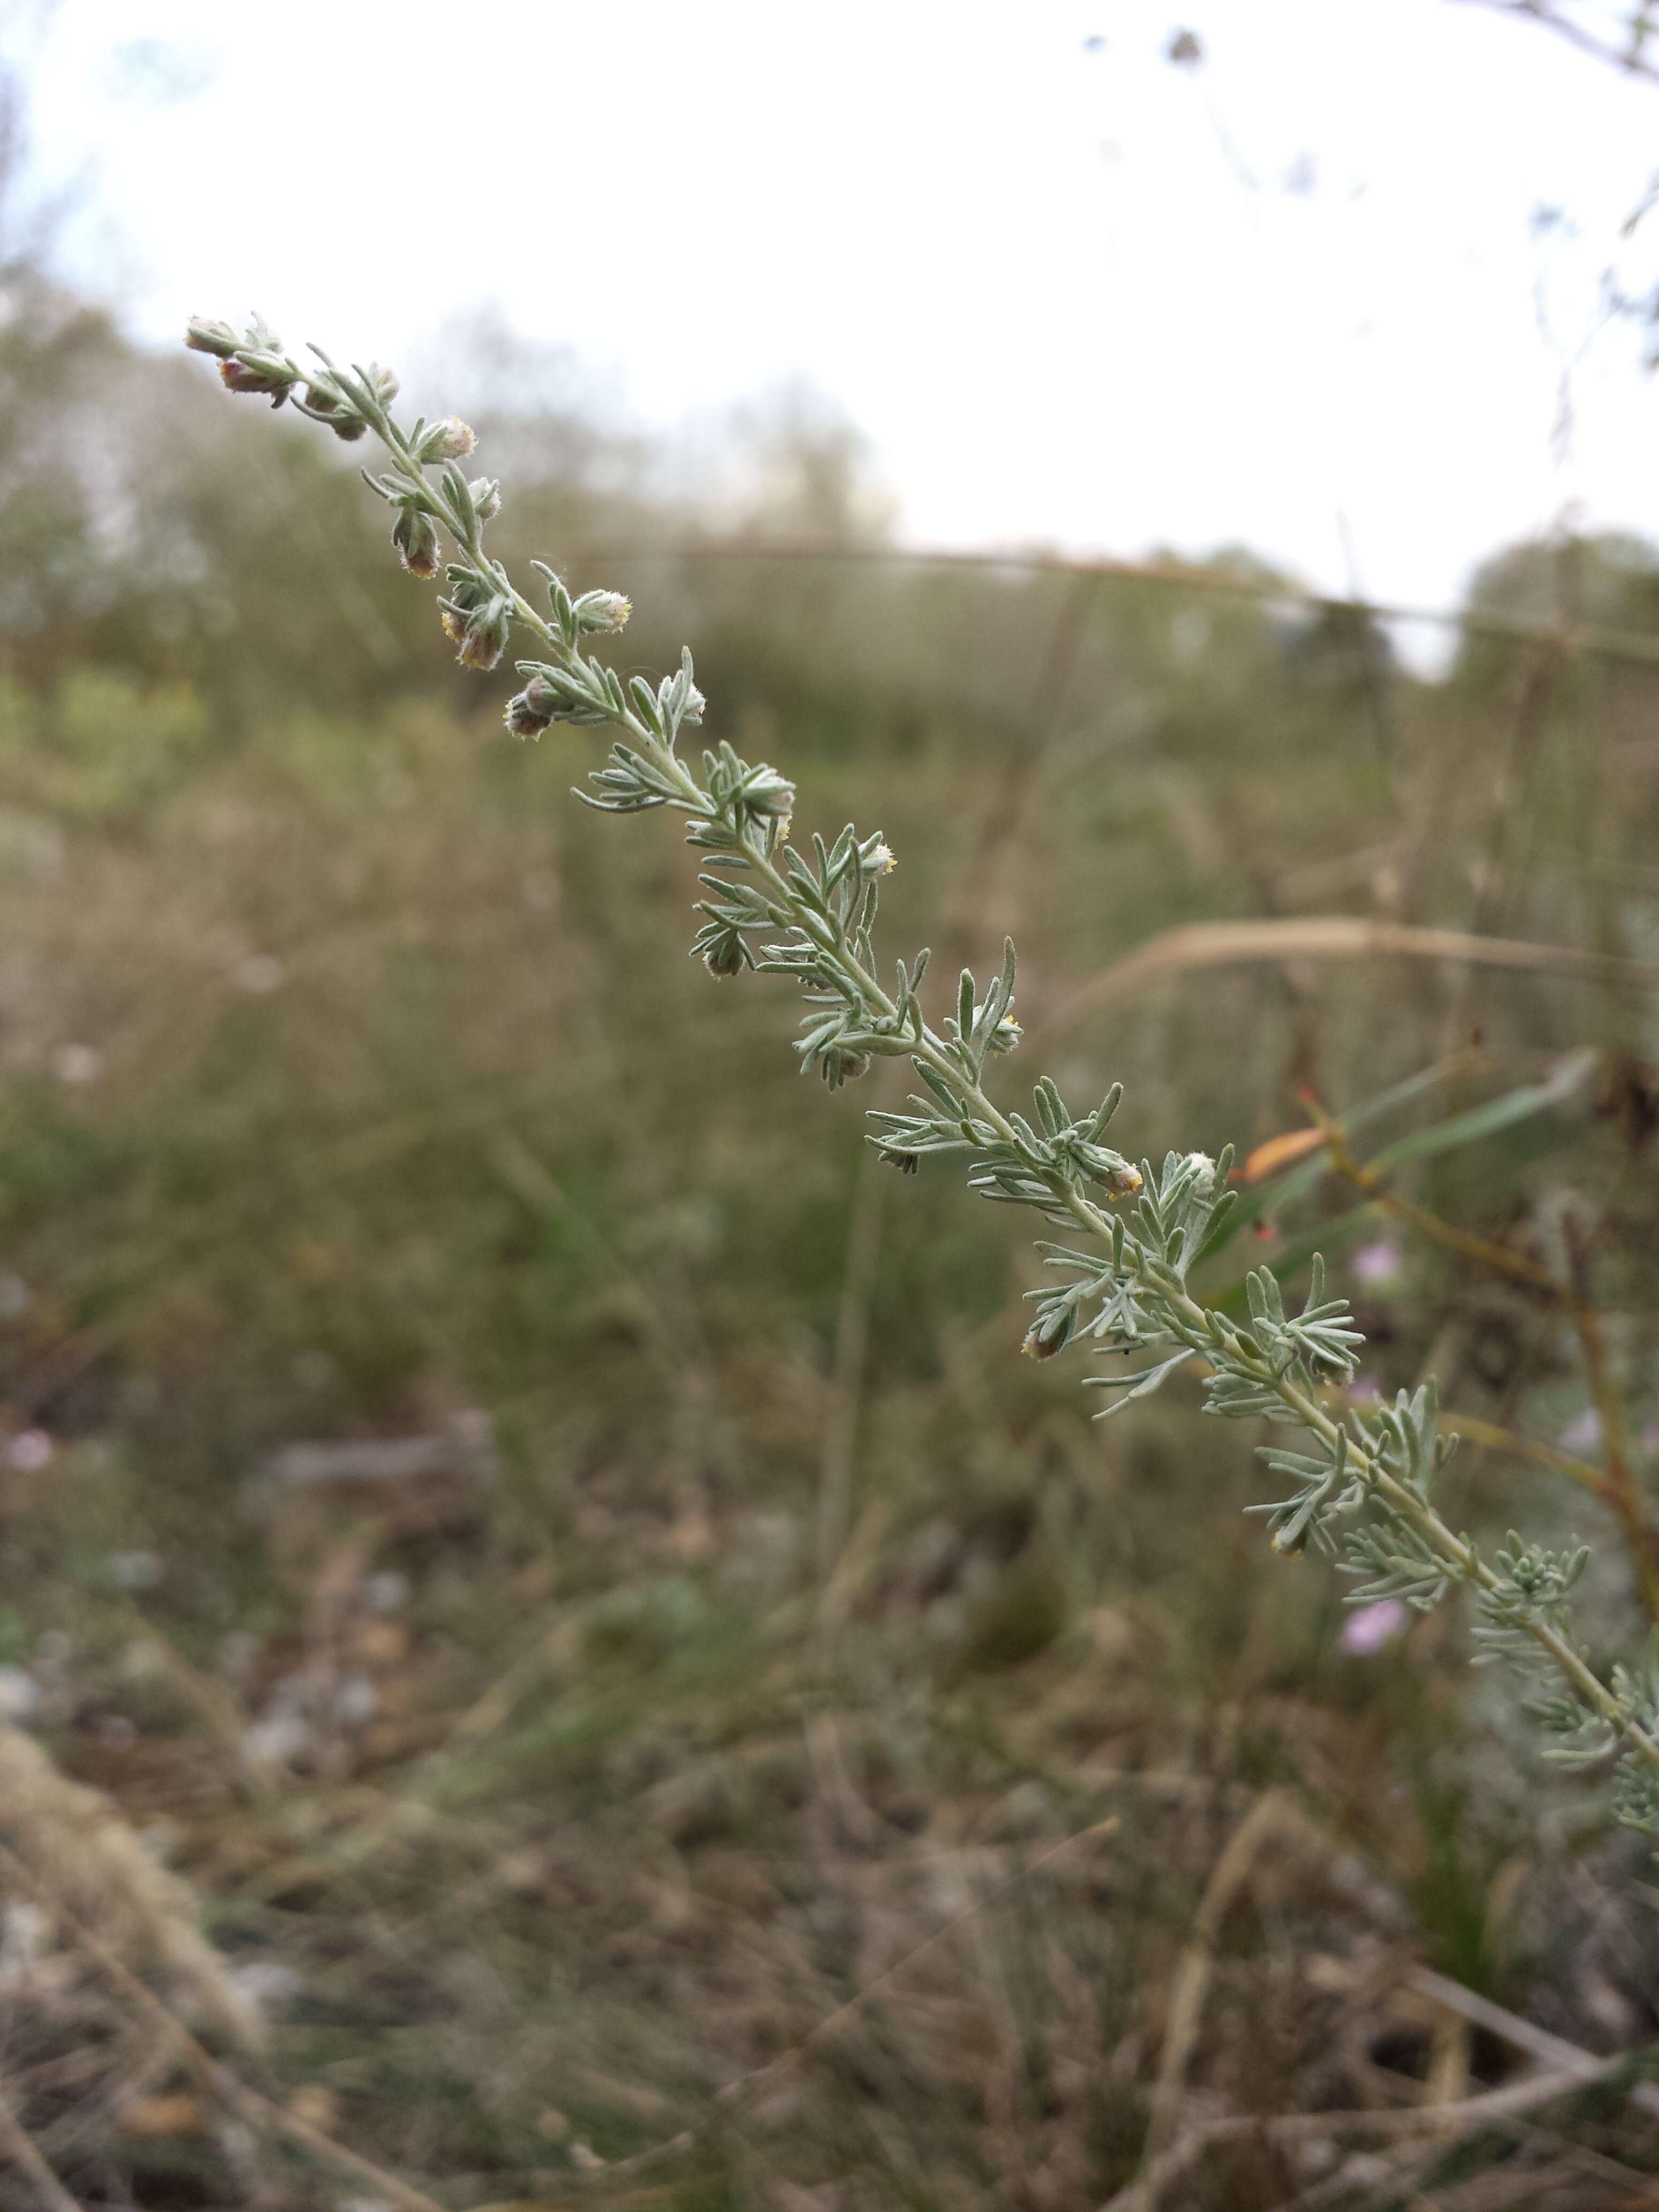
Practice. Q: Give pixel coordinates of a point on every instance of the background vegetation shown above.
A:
(751, 1711)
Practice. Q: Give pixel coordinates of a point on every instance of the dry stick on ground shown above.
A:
(258, 2111)
(1570, 2065)
(18, 2146)
(1551, 2050)
(1277, 1812)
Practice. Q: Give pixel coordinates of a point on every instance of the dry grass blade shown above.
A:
(75, 1839)
(1509, 2027)
(747, 2086)
(256, 2111)
(852, 1345)
(18, 2148)
(1192, 1974)
(1465, 2117)
(1624, 1494)
(1325, 937)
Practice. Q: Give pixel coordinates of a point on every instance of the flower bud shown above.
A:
(481, 631)
(486, 496)
(876, 858)
(205, 335)
(467, 588)
(1005, 1037)
(528, 712)
(325, 401)
(839, 1065)
(727, 954)
(602, 610)
(383, 383)
(261, 377)
(451, 439)
(414, 535)
(767, 797)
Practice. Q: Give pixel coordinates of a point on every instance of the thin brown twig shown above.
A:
(1625, 1497)
(1487, 1434)
(1532, 1273)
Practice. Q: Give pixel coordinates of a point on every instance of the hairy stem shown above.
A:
(1272, 1365)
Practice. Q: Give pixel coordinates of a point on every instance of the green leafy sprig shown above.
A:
(1362, 1485)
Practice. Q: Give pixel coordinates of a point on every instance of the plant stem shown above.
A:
(1197, 1326)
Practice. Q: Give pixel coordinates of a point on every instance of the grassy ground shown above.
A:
(766, 1683)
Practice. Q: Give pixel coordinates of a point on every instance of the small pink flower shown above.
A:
(1375, 1263)
(1371, 1626)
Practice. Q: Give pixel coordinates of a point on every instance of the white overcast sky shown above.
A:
(1074, 295)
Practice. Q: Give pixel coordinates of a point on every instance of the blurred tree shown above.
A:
(1608, 580)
